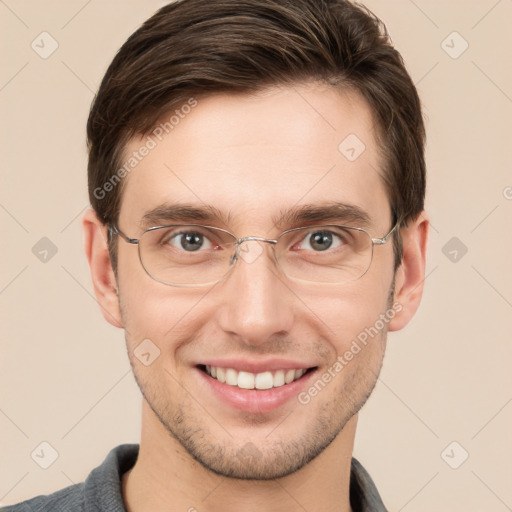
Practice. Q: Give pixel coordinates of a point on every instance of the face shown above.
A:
(254, 161)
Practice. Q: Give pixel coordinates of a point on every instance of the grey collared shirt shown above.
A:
(101, 491)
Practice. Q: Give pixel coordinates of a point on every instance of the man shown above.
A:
(257, 179)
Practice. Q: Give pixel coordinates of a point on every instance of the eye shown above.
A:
(321, 240)
(189, 241)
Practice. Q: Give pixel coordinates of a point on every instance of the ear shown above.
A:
(103, 278)
(411, 273)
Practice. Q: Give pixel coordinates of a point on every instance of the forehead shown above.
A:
(254, 158)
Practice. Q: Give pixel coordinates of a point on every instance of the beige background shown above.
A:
(65, 377)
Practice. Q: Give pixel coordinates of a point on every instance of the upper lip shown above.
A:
(253, 366)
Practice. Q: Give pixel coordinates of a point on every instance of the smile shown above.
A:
(248, 380)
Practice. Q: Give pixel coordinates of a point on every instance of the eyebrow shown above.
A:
(304, 214)
(167, 212)
(329, 212)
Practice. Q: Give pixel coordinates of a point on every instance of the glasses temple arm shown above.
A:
(385, 238)
(114, 230)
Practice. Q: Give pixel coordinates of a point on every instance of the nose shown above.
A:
(256, 303)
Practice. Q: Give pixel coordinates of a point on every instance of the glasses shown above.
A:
(197, 255)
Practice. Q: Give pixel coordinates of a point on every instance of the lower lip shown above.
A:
(256, 400)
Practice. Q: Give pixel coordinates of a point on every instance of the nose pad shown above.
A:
(249, 251)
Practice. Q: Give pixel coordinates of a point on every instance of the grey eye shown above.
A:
(321, 240)
(190, 241)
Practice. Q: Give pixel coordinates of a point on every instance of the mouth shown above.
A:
(263, 380)
(254, 385)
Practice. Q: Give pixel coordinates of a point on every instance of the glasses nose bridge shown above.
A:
(240, 241)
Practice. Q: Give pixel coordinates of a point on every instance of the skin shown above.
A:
(253, 157)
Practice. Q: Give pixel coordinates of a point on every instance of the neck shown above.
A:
(166, 477)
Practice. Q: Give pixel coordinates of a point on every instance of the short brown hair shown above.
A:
(194, 48)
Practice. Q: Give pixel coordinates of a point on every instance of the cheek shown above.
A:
(350, 312)
(146, 305)
(358, 338)
(165, 315)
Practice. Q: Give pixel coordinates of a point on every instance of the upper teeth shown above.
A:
(248, 380)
